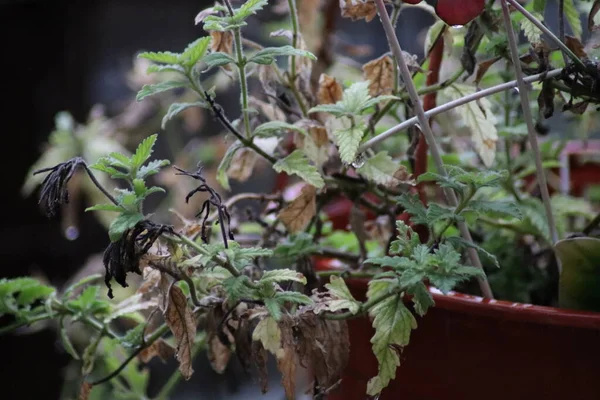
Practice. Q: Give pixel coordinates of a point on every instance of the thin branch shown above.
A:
(592, 225)
(547, 31)
(457, 103)
(426, 129)
(176, 274)
(561, 25)
(525, 108)
(99, 185)
(157, 334)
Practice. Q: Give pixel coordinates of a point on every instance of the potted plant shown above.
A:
(350, 272)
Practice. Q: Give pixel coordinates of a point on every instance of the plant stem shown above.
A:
(426, 129)
(294, 19)
(29, 321)
(592, 225)
(523, 93)
(241, 63)
(456, 103)
(98, 185)
(561, 25)
(176, 376)
(157, 334)
(547, 31)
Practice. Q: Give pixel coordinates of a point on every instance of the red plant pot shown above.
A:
(467, 347)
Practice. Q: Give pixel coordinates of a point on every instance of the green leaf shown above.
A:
(165, 68)
(66, 342)
(460, 243)
(150, 90)
(250, 7)
(275, 128)
(273, 307)
(176, 108)
(195, 51)
(164, 57)
(572, 14)
(218, 59)
(282, 275)
(355, 97)
(504, 208)
(421, 298)
(152, 168)
(414, 207)
(393, 323)
(105, 207)
(336, 109)
(539, 5)
(380, 169)
(348, 141)
(88, 303)
(267, 55)
(297, 163)
(292, 297)
(236, 288)
(342, 299)
(296, 246)
(442, 181)
(532, 32)
(134, 337)
(122, 223)
(143, 151)
(29, 294)
(222, 177)
(82, 282)
(437, 213)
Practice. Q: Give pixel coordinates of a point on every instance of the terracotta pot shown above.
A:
(467, 347)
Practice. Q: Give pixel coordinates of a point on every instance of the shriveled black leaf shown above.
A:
(546, 100)
(124, 255)
(54, 191)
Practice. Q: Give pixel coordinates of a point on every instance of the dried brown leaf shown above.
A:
(160, 349)
(315, 144)
(268, 79)
(323, 347)
(299, 212)
(260, 356)
(85, 390)
(483, 67)
(546, 100)
(287, 359)
(380, 74)
(221, 41)
(242, 165)
(575, 45)
(330, 91)
(180, 319)
(358, 9)
(203, 14)
(270, 111)
(218, 352)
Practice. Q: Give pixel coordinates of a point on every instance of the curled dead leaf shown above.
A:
(287, 359)
(380, 74)
(221, 41)
(270, 111)
(299, 212)
(160, 349)
(180, 319)
(315, 144)
(483, 67)
(358, 9)
(575, 45)
(330, 91)
(218, 352)
(242, 165)
(323, 347)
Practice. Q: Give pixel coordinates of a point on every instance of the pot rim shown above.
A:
(501, 309)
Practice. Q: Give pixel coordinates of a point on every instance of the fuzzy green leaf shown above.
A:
(105, 207)
(348, 141)
(164, 57)
(150, 90)
(165, 68)
(341, 298)
(393, 323)
(218, 59)
(421, 298)
(195, 51)
(222, 177)
(143, 151)
(503, 208)
(153, 167)
(268, 333)
(460, 243)
(335, 109)
(532, 32)
(572, 15)
(250, 7)
(267, 55)
(274, 308)
(276, 128)
(122, 223)
(414, 207)
(236, 288)
(380, 169)
(296, 246)
(282, 275)
(292, 297)
(297, 163)
(176, 108)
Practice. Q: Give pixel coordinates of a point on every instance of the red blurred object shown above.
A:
(459, 12)
(467, 347)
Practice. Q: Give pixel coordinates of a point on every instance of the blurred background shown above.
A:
(61, 55)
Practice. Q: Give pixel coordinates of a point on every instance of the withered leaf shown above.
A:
(595, 8)
(221, 41)
(358, 9)
(299, 212)
(160, 349)
(380, 74)
(483, 67)
(330, 91)
(203, 14)
(287, 358)
(315, 144)
(268, 79)
(259, 355)
(180, 319)
(323, 347)
(218, 352)
(271, 112)
(85, 390)
(546, 100)
(575, 45)
(242, 165)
